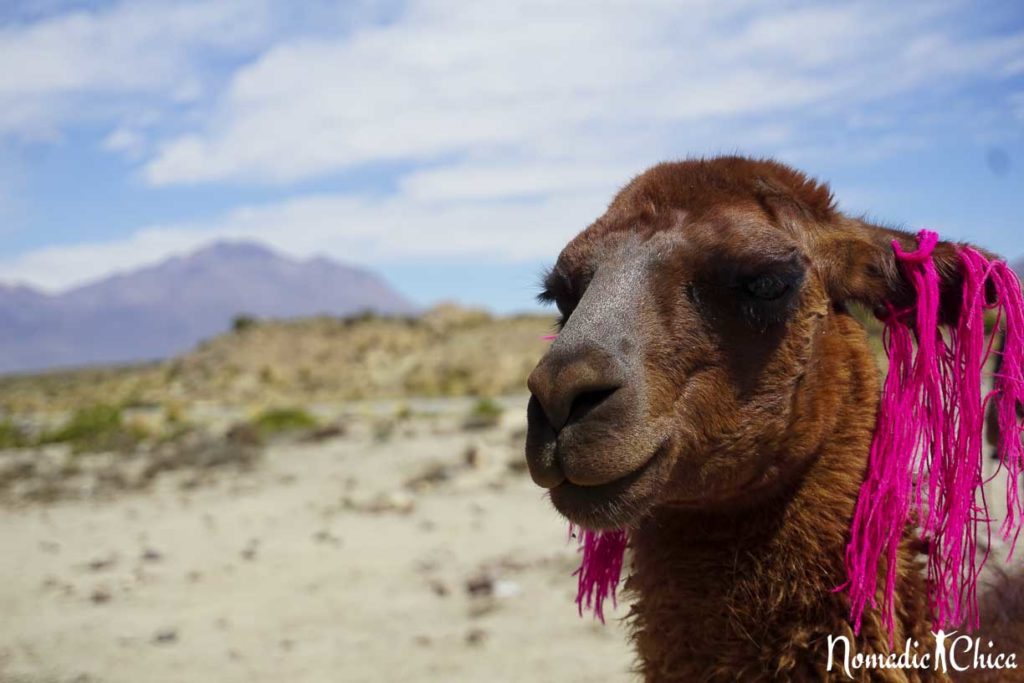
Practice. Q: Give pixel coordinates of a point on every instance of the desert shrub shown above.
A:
(361, 317)
(484, 414)
(89, 421)
(454, 383)
(173, 371)
(175, 413)
(12, 436)
(97, 427)
(243, 322)
(383, 430)
(278, 420)
(135, 400)
(175, 432)
(244, 434)
(991, 317)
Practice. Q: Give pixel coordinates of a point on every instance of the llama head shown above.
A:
(696, 362)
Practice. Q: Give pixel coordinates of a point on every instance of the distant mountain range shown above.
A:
(165, 309)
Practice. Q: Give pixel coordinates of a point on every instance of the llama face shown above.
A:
(687, 370)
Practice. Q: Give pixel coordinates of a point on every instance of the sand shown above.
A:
(321, 564)
(405, 550)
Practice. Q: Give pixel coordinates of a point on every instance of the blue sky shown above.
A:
(456, 146)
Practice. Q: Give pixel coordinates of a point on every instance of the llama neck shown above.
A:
(752, 590)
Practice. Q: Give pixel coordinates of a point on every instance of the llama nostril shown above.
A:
(541, 448)
(571, 382)
(587, 401)
(567, 407)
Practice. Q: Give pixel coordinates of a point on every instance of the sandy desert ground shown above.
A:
(392, 543)
(418, 553)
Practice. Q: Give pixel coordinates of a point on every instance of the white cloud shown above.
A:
(542, 80)
(475, 181)
(129, 141)
(56, 68)
(1017, 102)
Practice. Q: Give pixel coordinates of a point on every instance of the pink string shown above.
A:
(599, 572)
(926, 455)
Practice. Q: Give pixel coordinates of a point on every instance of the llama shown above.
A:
(710, 391)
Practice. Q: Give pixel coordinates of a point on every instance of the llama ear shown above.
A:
(860, 264)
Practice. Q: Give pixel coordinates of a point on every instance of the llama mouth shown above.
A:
(617, 503)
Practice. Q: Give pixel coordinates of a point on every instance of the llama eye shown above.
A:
(767, 287)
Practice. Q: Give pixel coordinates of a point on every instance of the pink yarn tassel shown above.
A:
(926, 456)
(1009, 388)
(599, 572)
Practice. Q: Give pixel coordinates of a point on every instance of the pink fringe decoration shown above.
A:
(599, 572)
(926, 457)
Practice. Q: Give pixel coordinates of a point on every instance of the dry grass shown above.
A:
(449, 351)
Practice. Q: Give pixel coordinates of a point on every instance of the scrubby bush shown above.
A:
(361, 317)
(991, 317)
(278, 420)
(243, 322)
(175, 413)
(383, 430)
(484, 414)
(12, 436)
(98, 427)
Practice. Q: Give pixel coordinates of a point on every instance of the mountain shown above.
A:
(165, 309)
(1018, 266)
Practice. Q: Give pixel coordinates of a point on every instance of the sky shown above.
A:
(456, 146)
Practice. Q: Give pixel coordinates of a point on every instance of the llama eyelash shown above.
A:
(564, 311)
(549, 282)
(558, 289)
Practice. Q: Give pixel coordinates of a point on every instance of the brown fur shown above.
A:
(729, 432)
(749, 594)
(1002, 606)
